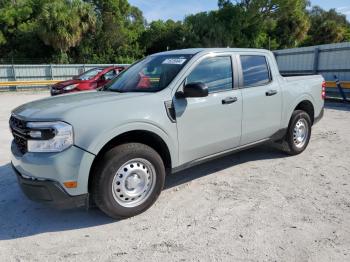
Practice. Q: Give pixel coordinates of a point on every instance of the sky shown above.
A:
(178, 9)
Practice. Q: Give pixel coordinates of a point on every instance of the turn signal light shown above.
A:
(323, 90)
(70, 184)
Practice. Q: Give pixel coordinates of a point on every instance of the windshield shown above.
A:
(151, 74)
(89, 74)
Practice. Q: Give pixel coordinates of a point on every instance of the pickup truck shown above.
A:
(114, 147)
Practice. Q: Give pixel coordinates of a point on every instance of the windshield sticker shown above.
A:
(174, 61)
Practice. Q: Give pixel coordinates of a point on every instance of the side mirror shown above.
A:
(194, 90)
(102, 78)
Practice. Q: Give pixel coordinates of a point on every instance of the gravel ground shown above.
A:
(257, 205)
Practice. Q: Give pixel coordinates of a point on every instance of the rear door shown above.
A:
(212, 124)
(262, 100)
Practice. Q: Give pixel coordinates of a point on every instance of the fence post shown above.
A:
(51, 72)
(14, 88)
(316, 60)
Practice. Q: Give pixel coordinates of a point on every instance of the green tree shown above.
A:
(274, 23)
(251, 23)
(207, 30)
(327, 27)
(290, 23)
(162, 36)
(62, 25)
(118, 30)
(113, 31)
(18, 38)
(238, 24)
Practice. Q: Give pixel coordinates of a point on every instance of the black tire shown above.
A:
(104, 176)
(289, 144)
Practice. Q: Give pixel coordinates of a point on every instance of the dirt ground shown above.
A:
(257, 205)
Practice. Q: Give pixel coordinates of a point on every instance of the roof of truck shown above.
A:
(193, 51)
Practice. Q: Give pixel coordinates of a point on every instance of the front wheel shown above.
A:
(128, 181)
(299, 133)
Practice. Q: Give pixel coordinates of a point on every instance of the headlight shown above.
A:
(49, 136)
(70, 87)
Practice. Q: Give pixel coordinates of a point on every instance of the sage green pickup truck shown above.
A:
(114, 147)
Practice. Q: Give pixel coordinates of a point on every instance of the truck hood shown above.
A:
(55, 108)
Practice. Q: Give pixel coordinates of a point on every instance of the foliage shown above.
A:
(161, 36)
(119, 28)
(113, 31)
(327, 27)
(62, 24)
(18, 26)
(291, 23)
(249, 23)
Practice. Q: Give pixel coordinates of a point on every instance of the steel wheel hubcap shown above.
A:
(300, 133)
(133, 182)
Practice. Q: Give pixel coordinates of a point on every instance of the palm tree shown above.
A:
(62, 24)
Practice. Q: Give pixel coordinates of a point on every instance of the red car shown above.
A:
(89, 80)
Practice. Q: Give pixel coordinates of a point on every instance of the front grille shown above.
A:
(19, 132)
(55, 91)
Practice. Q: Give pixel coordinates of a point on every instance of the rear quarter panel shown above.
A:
(297, 89)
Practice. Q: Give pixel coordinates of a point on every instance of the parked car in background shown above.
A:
(169, 111)
(89, 80)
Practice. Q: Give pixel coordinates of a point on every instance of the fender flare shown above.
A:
(103, 139)
(294, 104)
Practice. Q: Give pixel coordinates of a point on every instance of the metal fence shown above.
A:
(37, 73)
(331, 61)
(327, 60)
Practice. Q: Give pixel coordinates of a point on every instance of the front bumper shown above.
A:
(56, 92)
(49, 192)
(73, 164)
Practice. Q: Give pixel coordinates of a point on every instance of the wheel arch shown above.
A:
(305, 103)
(146, 137)
(307, 106)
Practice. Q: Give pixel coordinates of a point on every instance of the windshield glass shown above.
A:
(89, 74)
(151, 74)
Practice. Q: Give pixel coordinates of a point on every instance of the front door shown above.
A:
(212, 124)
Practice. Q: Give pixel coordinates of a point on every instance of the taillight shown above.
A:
(323, 90)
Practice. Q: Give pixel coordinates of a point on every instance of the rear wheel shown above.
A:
(128, 180)
(299, 133)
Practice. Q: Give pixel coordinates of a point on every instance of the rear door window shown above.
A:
(255, 70)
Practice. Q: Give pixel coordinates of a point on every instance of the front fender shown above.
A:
(103, 138)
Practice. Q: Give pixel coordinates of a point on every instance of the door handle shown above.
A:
(229, 100)
(271, 93)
